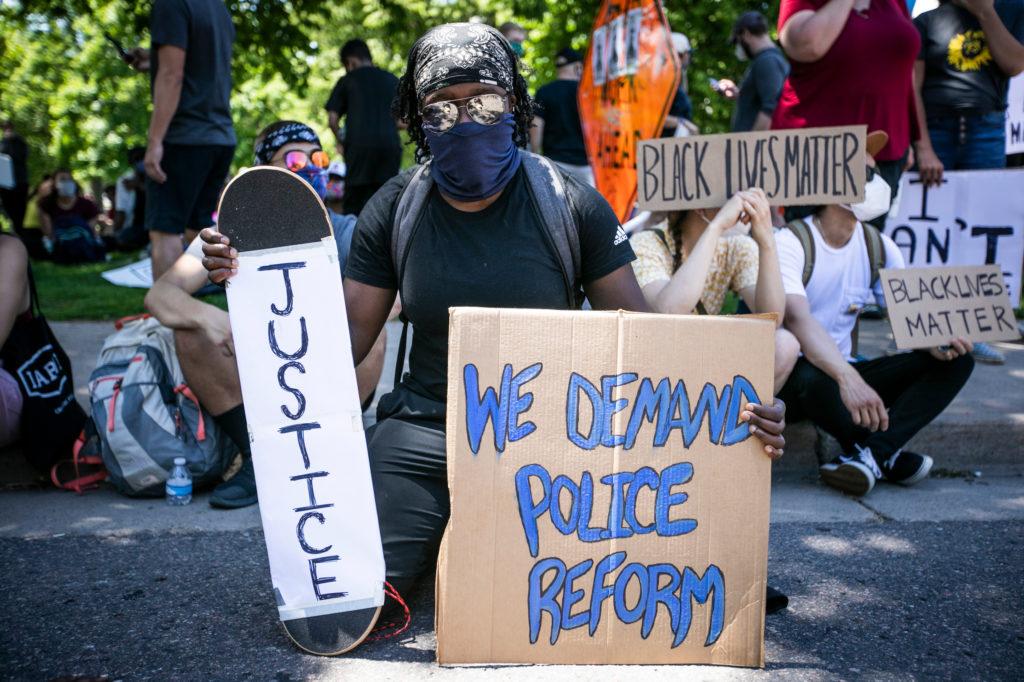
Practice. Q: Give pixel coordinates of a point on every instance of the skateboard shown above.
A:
(298, 385)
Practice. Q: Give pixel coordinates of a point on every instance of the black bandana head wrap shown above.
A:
(462, 53)
(289, 132)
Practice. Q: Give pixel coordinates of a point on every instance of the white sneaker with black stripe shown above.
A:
(854, 474)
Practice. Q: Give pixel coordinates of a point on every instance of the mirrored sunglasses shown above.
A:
(296, 160)
(485, 109)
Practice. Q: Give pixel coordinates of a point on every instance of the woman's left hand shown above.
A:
(767, 424)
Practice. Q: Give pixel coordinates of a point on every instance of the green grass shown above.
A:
(78, 292)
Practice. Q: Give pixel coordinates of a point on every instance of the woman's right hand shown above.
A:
(759, 213)
(219, 259)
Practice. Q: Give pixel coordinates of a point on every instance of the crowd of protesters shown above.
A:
(466, 107)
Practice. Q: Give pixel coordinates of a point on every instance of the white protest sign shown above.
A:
(974, 218)
(931, 306)
(138, 275)
(1015, 116)
(299, 389)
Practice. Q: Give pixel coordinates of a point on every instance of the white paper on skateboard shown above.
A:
(298, 384)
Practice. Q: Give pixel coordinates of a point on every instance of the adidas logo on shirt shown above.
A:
(620, 236)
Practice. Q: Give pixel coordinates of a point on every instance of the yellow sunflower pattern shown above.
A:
(968, 51)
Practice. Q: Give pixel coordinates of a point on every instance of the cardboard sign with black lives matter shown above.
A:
(794, 167)
(608, 505)
(931, 306)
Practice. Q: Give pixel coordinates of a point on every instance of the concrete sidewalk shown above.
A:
(983, 427)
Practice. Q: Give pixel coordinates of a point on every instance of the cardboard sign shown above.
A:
(1015, 116)
(607, 505)
(630, 76)
(931, 306)
(974, 218)
(794, 167)
(305, 424)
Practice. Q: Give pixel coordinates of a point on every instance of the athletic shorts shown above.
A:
(188, 198)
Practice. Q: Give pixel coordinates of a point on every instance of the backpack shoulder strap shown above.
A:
(407, 213)
(876, 251)
(802, 231)
(555, 212)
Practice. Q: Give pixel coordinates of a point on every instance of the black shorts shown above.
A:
(195, 178)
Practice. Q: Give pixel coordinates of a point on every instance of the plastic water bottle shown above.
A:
(179, 484)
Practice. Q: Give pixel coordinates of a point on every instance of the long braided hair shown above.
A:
(406, 106)
(675, 231)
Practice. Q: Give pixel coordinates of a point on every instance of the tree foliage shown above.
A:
(78, 105)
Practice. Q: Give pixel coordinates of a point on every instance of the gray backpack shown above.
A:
(551, 203)
(146, 415)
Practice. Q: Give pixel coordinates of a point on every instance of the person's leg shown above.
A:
(215, 160)
(169, 205)
(811, 394)
(410, 484)
(915, 387)
(787, 352)
(943, 132)
(213, 378)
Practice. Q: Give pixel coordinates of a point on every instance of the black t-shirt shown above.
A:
(563, 134)
(204, 30)
(497, 258)
(760, 88)
(960, 72)
(373, 151)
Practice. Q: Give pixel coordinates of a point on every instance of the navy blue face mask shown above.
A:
(473, 161)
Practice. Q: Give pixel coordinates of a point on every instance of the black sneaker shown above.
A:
(238, 491)
(907, 468)
(854, 474)
(774, 601)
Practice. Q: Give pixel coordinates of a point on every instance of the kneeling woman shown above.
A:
(688, 263)
(479, 240)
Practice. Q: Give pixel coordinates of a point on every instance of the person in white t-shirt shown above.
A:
(872, 407)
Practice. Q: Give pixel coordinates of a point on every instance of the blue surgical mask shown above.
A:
(473, 161)
(316, 177)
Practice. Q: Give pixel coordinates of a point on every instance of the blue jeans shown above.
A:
(971, 142)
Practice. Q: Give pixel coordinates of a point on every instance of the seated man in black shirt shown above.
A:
(372, 149)
(556, 130)
(467, 109)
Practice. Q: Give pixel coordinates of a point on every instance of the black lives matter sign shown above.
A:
(794, 167)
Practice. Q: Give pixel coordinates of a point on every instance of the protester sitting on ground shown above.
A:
(14, 302)
(477, 242)
(686, 264)
(130, 203)
(758, 93)
(872, 407)
(969, 52)
(556, 131)
(202, 332)
(65, 206)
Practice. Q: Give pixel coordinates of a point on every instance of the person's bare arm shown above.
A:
(865, 406)
(536, 134)
(166, 95)
(14, 296)
(618, 290)
(768, 295)
(170, 299)
(1005, 48)
(368, 309)
(928, 163)
(333, 122)
(808, 35)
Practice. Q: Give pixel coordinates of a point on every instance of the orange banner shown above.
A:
(630, 76)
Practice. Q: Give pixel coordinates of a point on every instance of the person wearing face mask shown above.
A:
(872, 407)
(759, 91)
(69, 222)
(202, 332)
(480, 238)
(678, 122)
(686, 263)
(515, 35)
(556, 131)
